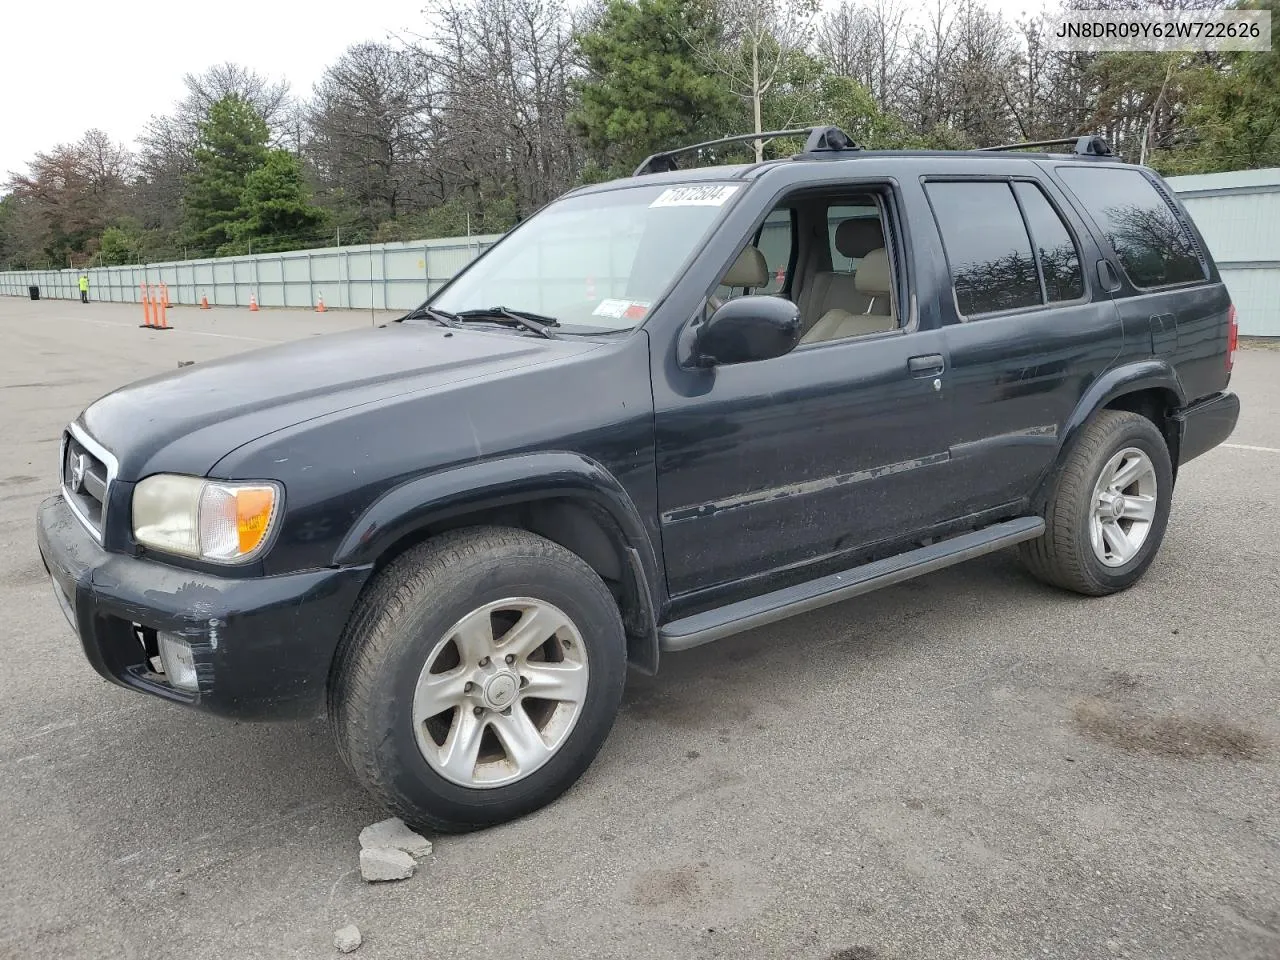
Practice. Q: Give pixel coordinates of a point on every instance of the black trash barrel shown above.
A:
(34, 291)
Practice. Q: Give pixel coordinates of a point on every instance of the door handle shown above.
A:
(927, 364)
(1107, 277)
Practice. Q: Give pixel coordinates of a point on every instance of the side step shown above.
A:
(747, 614)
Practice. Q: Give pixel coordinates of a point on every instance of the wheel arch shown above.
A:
(1150, 388)
(1157, 405)
(562, 496)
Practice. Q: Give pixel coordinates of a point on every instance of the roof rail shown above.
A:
(819, 139)
(1089, 145)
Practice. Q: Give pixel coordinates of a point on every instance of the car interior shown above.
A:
(827, 255)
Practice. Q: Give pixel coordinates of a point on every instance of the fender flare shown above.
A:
(437, 497)
(1145, 374)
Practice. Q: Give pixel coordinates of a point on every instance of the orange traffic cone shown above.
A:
(253, 303)
(320, 307)
(164, 295)
(159, 307)
(204, 303)
(146, 305)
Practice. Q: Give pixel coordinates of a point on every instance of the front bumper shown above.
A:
(1205, 424)
(262, 646)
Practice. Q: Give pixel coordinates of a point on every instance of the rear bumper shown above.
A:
(262, 646)
(1205, 424)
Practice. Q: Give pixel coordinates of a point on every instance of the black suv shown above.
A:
(663, 410)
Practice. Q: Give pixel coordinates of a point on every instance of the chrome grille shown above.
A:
(85, 478)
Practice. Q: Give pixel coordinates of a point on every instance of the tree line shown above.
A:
(498, 106)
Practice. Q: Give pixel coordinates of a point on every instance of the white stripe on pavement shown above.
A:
(1246, 446)
(193, 333)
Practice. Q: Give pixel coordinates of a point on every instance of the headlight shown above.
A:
(214, 520)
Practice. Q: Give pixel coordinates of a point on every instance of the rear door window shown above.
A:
(1153, 246)
(988, 250)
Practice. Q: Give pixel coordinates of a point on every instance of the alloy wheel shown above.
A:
(1124, 507)
(500, 693)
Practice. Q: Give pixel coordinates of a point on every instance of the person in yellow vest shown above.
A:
(84, 288)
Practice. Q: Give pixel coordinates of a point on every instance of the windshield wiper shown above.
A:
(516, 318)
(433, 313)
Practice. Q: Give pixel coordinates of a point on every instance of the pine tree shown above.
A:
(275, 211)
(1237, 115)
(644, 90)
(232, 145)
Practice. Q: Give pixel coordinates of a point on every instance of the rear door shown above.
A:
(1027, 328)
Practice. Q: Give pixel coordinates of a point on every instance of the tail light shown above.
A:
(1233, 337)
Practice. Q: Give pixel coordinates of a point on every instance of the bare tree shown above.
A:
(25, 233)
(499, 76)
(369, 125)
(839, 40)
(930, 53)
(758, 38)
(865, 42)
(984, 54)
(71, 193)
(164, 162)
(1028, 90)
(271, 99)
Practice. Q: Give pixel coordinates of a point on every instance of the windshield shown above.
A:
(599, 261)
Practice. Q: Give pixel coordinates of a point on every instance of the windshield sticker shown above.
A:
(621, 309)
(709, 196)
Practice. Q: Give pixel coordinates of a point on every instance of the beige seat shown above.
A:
(749, 270)
(874, 282)
(832, 290)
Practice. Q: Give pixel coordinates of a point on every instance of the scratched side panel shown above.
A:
(807, 488)
(772, 465)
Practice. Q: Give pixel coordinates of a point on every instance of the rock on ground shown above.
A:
(394, 834)
(386, 863)
(348, 938)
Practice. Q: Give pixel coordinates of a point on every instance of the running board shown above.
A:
(747, 614)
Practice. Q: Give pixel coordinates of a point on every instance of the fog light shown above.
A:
(178, 663)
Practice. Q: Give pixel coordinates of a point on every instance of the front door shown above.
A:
(768, 471)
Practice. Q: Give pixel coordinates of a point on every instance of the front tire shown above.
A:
(1108, 508)
(479, 677)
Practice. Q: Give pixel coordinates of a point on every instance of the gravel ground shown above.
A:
(970, 765)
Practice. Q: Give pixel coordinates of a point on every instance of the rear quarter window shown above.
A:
(1153, 246)
(1059, 259)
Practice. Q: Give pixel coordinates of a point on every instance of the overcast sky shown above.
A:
(76, 65)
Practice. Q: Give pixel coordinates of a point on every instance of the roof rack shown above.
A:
(1086, 146)
(820, 139)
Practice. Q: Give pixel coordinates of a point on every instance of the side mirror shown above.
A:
(747, 329)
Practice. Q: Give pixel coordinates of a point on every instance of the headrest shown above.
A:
(873, 277)
(749, 270)
(857, 237)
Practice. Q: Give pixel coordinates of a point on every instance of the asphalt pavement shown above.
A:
(970, 765)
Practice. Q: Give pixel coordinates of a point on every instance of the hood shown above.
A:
(187, 420)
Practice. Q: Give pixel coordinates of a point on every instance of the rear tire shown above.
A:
(428, 700)
(1108, 508)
